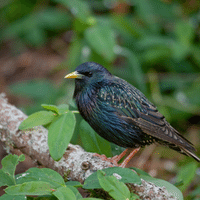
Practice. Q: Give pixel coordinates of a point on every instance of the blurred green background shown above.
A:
(153, 44)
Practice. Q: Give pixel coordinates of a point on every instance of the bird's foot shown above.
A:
(104, 158)
(114, 160)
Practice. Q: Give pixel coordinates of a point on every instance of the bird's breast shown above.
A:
(87, 104)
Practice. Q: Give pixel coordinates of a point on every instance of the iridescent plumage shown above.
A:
(120, 113)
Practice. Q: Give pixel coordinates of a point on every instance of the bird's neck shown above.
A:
(86, 97)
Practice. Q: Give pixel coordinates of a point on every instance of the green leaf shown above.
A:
(41, 174)
(196, 191)
(190, 170)
(74, 55)
(139, 171)
(53, 19)
(13, 197)
(80, 9)
(51, 108)
(19, 27)
(36, 119)
(154, 41)
(60, 134)
(195, 51)
(157, 54)
(136, 69)
(101, 38)
(116, 150)
(146, 12)
(179, 183)
(90, 199)
(125, 175)
(75, 191)
(35, 37)
(127, 26)
(113, 186)
(179, 51)
(5, 179)
(9, 164)
(184, 31)
(79, 27)
(7, 172)
(92, 142)
(63, 108)
(21, 158)
(193, 93)
(35, 89)
(165, 11)
(170, 188)
(31, 188)
(63, 193)
(134, 197)
(73, 183)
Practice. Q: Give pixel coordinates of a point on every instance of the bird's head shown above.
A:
(88, 74)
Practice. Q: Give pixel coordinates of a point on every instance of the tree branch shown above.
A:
(75, 162)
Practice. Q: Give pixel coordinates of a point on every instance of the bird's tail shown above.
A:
(188, 150)
(190, 153)
(185, 147)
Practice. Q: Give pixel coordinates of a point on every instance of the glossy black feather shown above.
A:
(121, 114)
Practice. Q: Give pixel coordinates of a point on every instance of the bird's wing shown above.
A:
(133, 107)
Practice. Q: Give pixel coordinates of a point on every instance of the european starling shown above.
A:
(120, 113)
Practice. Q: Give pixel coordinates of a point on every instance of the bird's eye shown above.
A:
(88, 74)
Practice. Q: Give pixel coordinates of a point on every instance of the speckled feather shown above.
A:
(121, 114)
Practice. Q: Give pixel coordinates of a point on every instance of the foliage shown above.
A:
(48, 184)
(141, 38)
(154, 45)
(60, 122)
(190, 170)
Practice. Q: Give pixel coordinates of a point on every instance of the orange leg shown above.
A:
(128, 158)
(117, 158)
(114, 160)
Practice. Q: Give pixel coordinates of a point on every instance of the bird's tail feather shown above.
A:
(186, 150)
(189, 153)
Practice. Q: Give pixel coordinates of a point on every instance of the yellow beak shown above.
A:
(74, 75)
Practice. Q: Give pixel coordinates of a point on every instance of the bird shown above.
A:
(121, 114)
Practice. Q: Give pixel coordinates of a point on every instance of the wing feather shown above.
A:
(133, 107)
